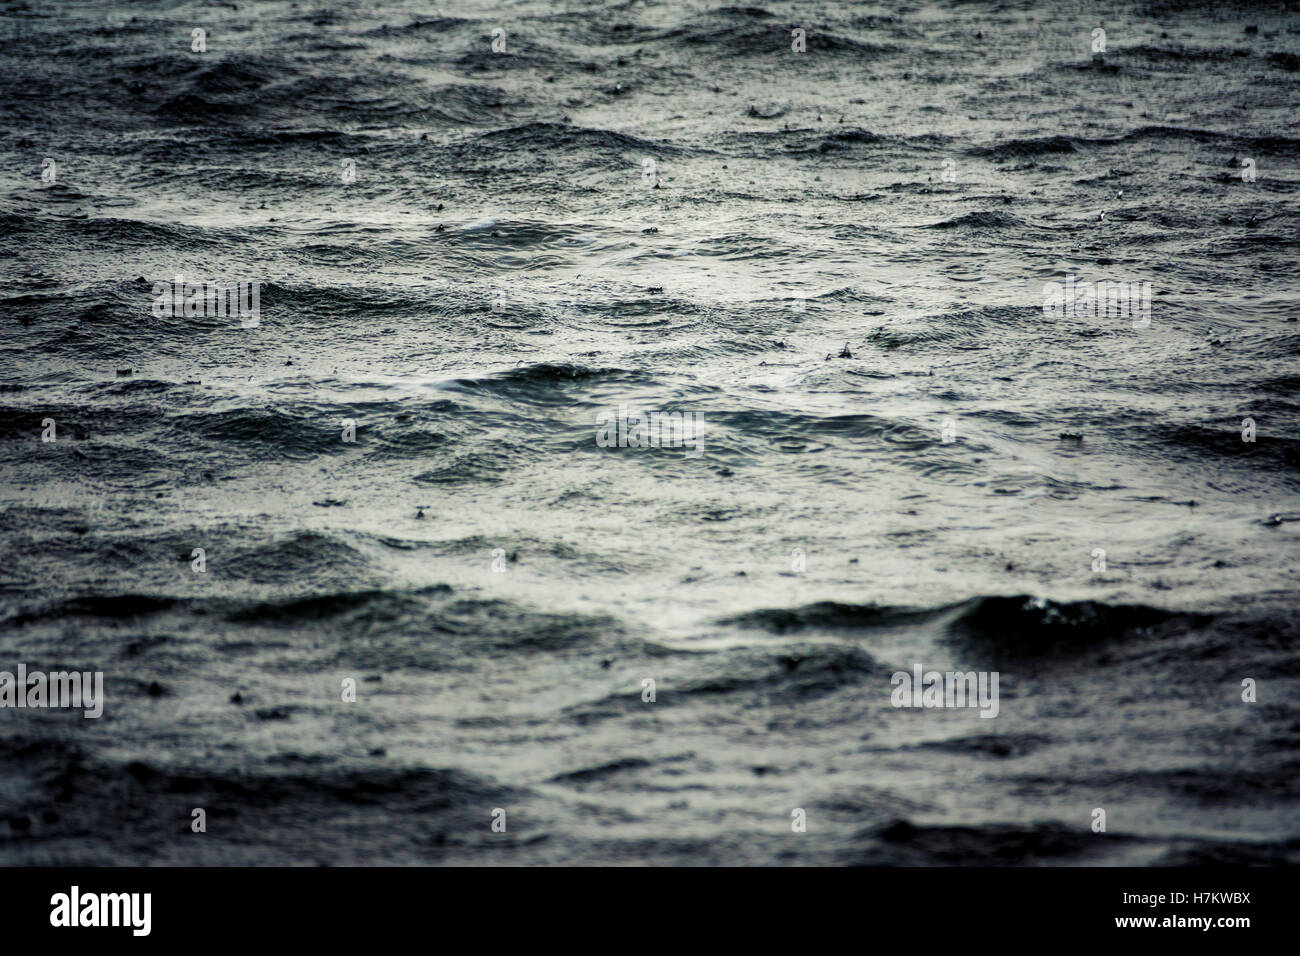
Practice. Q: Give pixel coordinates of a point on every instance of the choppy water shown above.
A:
(506, 267)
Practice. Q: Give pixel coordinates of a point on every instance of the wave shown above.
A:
(797, 673)
(550, 382)
(422, 26)
(76, 808)
(565, 137)
(1027, 626)
(751, 677)
(997, 746)
(989, 219)
(1197, 443)
(903, 843)
(95, 605)
(1035, 146)
(753, 31)
(954, 329)
(447, 626)
(1019, 625)
(287, 432)
(1017, 148)
(290, 559)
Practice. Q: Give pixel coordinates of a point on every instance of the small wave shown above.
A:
(95, 605)
(829, 615)
(550, 383)
(998, 746)
(801, 672)
(1038, 146)
(989, 219)
(1031, 626)
(600, 772)
(903, 843)
(1277, 145)
(91, 809)
(561, 136)
(290, 559)
(390, 618)
(262, 433)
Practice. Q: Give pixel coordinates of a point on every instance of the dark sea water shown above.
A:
(659, 205)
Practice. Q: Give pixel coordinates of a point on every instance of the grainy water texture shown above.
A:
(476, 246)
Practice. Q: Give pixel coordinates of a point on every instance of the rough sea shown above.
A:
(478, 231)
